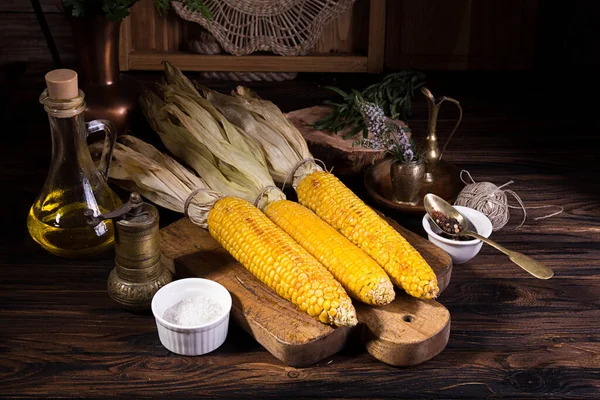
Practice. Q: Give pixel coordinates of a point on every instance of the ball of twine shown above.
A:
(492, 201)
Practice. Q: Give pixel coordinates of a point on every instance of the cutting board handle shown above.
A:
(406, 332)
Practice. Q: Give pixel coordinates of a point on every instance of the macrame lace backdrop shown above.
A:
(285, 27)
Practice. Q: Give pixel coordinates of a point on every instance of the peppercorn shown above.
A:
(449, 226)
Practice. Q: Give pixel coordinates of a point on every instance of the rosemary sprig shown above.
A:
(393, 94)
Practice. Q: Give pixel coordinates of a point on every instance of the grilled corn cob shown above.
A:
(279, 262)
(331, 200)
(362, 277)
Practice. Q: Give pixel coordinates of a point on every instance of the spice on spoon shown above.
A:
(450, 226)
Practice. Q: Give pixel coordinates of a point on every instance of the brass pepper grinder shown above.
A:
(139, 271)
(431, 153)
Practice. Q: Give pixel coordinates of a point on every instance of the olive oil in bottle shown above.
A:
(56, 219)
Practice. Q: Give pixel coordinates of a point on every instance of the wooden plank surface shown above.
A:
(125, 44)
(21, 38)
(377, 23)
(511, 337)
(347, 33)
(24, 6)
(147, 60)
(407, 332)
(460, 34)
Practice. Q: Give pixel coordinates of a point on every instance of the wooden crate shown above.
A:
(354, 42)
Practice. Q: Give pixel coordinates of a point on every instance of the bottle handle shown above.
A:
(460, 115)
(109, 141)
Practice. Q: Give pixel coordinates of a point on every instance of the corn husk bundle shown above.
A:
(283, 145)
(250, 237)
(139, 167)
(192, 129)
(323, 193)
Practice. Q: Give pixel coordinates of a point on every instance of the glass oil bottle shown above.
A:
(74, 184)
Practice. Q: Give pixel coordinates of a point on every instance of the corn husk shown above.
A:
(140, 167)
(283, 145)
(280, 156)
(197, 133)
(176, 139)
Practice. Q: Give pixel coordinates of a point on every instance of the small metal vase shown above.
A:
(407, 180)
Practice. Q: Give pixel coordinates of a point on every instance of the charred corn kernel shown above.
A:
(244, 231)
(331, 200)
(362, 277)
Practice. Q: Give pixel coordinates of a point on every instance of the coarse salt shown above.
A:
(192, 311)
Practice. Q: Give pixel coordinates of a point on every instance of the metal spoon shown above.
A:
(435, 203)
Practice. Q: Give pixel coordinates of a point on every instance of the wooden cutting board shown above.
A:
(406, 332)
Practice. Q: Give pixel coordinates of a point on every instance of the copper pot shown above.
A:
(109, 93)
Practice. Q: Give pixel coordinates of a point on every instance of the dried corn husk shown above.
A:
(278, 152)
(178, 132)
(283, 145)
(179, 84)
(138, 166)
(196, 132)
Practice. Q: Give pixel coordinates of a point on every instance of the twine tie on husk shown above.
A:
(262, 193)
(492, 201)
(193, 194)
(300, 163)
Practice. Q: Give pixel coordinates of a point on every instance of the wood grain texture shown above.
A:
(512, 336)
(407, 332)
(333, 150)
(376, 36)
(125, 44)
(24, 6)
(346, 34)
(152, 61)
(460, 34)
(21, 38)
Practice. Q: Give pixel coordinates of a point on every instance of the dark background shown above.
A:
(424, 34)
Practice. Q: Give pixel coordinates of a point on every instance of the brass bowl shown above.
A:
(378, 184)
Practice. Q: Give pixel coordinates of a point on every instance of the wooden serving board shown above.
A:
(406, 332)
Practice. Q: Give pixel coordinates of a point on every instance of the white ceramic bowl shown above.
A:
(461, 251)
(191, 340)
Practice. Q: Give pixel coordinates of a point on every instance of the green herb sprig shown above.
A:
(117, 10)
(393, 94)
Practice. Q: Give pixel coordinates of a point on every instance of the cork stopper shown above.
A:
(62, 84)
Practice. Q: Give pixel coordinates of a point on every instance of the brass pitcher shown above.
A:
(432, 153)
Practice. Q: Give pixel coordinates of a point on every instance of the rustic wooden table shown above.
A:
(512, 336)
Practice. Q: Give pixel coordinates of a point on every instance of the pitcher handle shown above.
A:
(460, 115)
(109, 141)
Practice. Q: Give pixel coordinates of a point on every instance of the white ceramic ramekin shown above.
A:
(191, 340)
(461, 251)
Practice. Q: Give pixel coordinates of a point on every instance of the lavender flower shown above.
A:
(386, 134)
